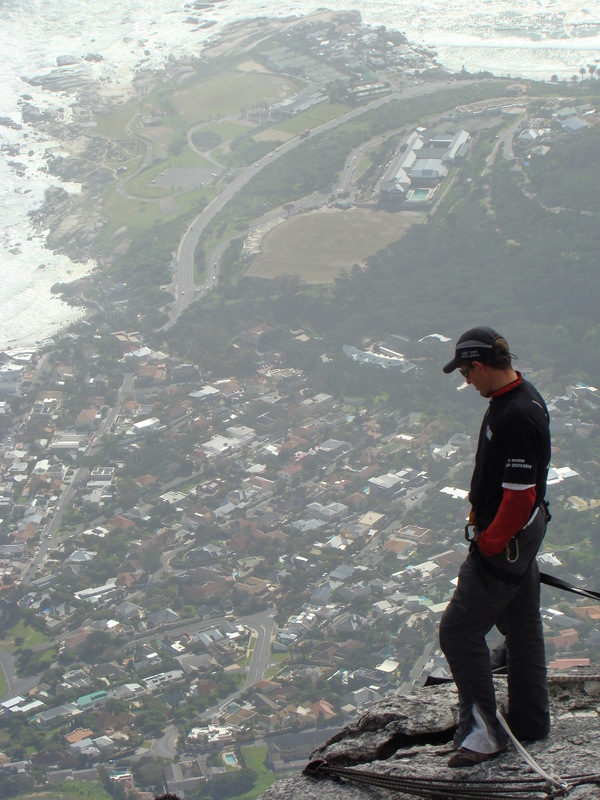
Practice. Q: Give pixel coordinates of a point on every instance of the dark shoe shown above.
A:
(469, 758)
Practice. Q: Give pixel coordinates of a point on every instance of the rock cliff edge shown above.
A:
(408, 737)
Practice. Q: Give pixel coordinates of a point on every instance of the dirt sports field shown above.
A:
(317, 246)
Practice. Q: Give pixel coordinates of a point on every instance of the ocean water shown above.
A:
(521, 38)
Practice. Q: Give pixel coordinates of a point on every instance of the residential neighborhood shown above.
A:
(233, 559)
(224, 531)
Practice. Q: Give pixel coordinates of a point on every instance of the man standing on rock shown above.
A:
(498, 583)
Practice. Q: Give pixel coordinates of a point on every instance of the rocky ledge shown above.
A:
(408, 738)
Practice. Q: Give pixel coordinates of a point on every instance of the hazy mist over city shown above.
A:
(238, 244)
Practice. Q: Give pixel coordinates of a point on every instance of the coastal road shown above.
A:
(185, 293)
(505, 140)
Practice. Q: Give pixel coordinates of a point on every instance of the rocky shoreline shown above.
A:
(73, 221)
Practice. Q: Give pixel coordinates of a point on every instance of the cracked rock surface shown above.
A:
(410, 735)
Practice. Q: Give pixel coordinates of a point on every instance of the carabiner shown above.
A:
(475, 532)
(509, 557)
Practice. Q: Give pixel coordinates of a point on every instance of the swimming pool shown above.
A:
(419, 195)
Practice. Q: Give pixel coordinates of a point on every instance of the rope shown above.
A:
(545, 786)
(435, 788)
(562, 788)
(558, 583)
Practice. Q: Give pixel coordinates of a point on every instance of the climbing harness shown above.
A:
(544, 786)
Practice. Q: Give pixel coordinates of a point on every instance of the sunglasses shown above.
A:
(464, 371)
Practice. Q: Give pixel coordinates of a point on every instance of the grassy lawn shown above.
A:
(228, 92)
(274, 135)
(309, 119)
(137, 215)
(30, 638)
(324, 112)
(113, 125)
(70, 790)
(276, 663)
(249, 652)
(319, 245)
(186, 159)
(278, 658)
(254, 758)
(226, 129)
(134, 214)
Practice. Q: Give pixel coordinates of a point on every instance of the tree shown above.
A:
(152, 717)
(148, 773)
(232, 784)
(94, 646)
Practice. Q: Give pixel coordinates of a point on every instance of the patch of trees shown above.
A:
(229, 784)
(148, 773)
(12, 785)
(32, 662)
(245, 150)
(206, 140)
(178, 144)
(147, 260)
(568, 175)
(523, 269)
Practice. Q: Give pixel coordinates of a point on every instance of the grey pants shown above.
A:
(478, 603)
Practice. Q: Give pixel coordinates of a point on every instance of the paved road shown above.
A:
(419, 666)
(186, 292)
(65, 501)
(14, 685)
(263, 625)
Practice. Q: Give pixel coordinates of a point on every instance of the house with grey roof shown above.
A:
(163, 617)
(574, 125)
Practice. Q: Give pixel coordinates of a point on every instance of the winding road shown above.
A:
(263, 625)
(186, 291)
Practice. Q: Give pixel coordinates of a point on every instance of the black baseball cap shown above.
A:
(474, 345)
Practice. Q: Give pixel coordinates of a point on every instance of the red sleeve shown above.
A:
(515, 510)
